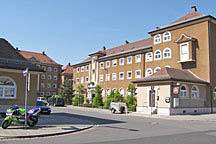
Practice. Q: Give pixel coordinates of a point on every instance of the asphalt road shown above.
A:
(124, 129)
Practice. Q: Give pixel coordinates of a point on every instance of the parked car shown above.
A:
(56, 101)
(119, 107)
(44, 108)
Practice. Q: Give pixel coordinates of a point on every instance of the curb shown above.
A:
(45, 135)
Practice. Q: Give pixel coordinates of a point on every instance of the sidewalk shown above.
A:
(48, 125)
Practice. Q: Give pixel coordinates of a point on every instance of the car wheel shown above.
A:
(113, 110)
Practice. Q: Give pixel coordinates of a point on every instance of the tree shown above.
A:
(79, 98)
(98, 100)
(66, 91)
(117, 97)
(131, 99)
(132, 89)
(114, 96)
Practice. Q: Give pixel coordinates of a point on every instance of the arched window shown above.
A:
(149, 72)
(183, 91)
(166, 36)
(149, 56)
(167, 53)
(157, 69)
(214, 94)
(195, 92)
(121, 91)
(157, 39)
(168, 66)
(157, 55)
(7, 88)
(128, 93)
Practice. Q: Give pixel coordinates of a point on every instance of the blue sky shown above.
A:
(68, 30)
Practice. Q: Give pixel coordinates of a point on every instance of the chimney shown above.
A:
(103, 48)
(17, 48)
(43, 53)
(156, 27)
(193, 9)
(127, 42)
(69, 64)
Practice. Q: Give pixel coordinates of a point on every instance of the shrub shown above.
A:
(78, 100)
(107, 103)
(98, 100)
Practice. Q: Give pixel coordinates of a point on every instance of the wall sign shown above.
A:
(167, 100)
(175, 90)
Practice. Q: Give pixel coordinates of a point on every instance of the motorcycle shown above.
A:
(16, 115)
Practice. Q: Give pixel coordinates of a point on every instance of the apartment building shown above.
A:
(67, 73)
(174, 69)
(50, 81)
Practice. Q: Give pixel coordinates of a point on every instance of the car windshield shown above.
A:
(40, 103)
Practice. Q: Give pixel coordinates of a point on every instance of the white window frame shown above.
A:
(107, 64)
(193, 92)
(42, 94)
(55, 86)
(82, 69)
(77, 80)
(114, 63)
(43, 76)
(129, 62)
(108, 91)
(148, 69)
(54, 93)
(107, 77)
(55, 77)
(166, 36)
(181, 55)
(149, 56)
(4, 87)
(157, 39)
(48, 94)
(128, 75)
(168, 66)
(120, 62)
(114, 90)
(81, 79)
(137, 76)
(55, 70)
(42, 85)
(157, 68)
(78, 69)
(164, 52)
(183, 91)
(101, 65)
(49, 77)
(87, 79)
(101, 77)
(155, 55)
(49, 69)
(44, 68)
(121, 92)
(138, 58)
(87, 68)
(120, 76)
(48, 85)
(114, 76)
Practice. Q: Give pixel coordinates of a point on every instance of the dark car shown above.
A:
(56, 101)
(44, 108)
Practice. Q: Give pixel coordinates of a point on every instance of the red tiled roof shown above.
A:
(172, 74)
(40, 57)
(67, 69)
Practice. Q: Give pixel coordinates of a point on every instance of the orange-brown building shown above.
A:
(49, 81)
(174, 69)
(67, 73)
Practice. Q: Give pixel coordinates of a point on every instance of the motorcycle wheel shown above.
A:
(32, 121)
(5, 124)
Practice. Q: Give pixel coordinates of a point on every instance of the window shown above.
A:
(129, 75)
(113, 76)
(7, 88)
(54, 93)
(157, 69)
(82, 69)
(54, 86)
(157, 55)
(121, 76)
(148, 56)
(107, 64)
(157, 39)
(48, 85)
(49, 69)
(214, 94)
(55, 70)
(114, 62)
(168, 66)
(86, 79)
(102, 65)
(82, 79)
(41, 93)
(128, 92)
(114, 90)
(48, 93)
(121, 91)
(183, 91)
(43, 76)
(77, 81)
(138, 58)
(42, 85)
(107, 77)
(78, 70)
(55, 77)
(108, 91)
(49, 77)
(138, 74)
(121, 61)
(184, 52)
(166, 36)
(87, 68)
(129, 60)
(149, 72)
(167, 53)
(44, 68)
(101, 78)
(93, 60)
(195, 92)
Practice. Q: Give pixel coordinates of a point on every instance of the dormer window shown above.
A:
(157, 55)
(184, 51)
(157, 39)
(166, 36)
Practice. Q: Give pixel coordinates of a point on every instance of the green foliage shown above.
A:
(98, 100)
(87, 101)
(79, 98)
(113, 97)
(66, 91)
(107, 103)
(131, 101)
(132, 89)
(117, 97)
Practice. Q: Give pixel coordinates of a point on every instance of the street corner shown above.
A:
(48, 125)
